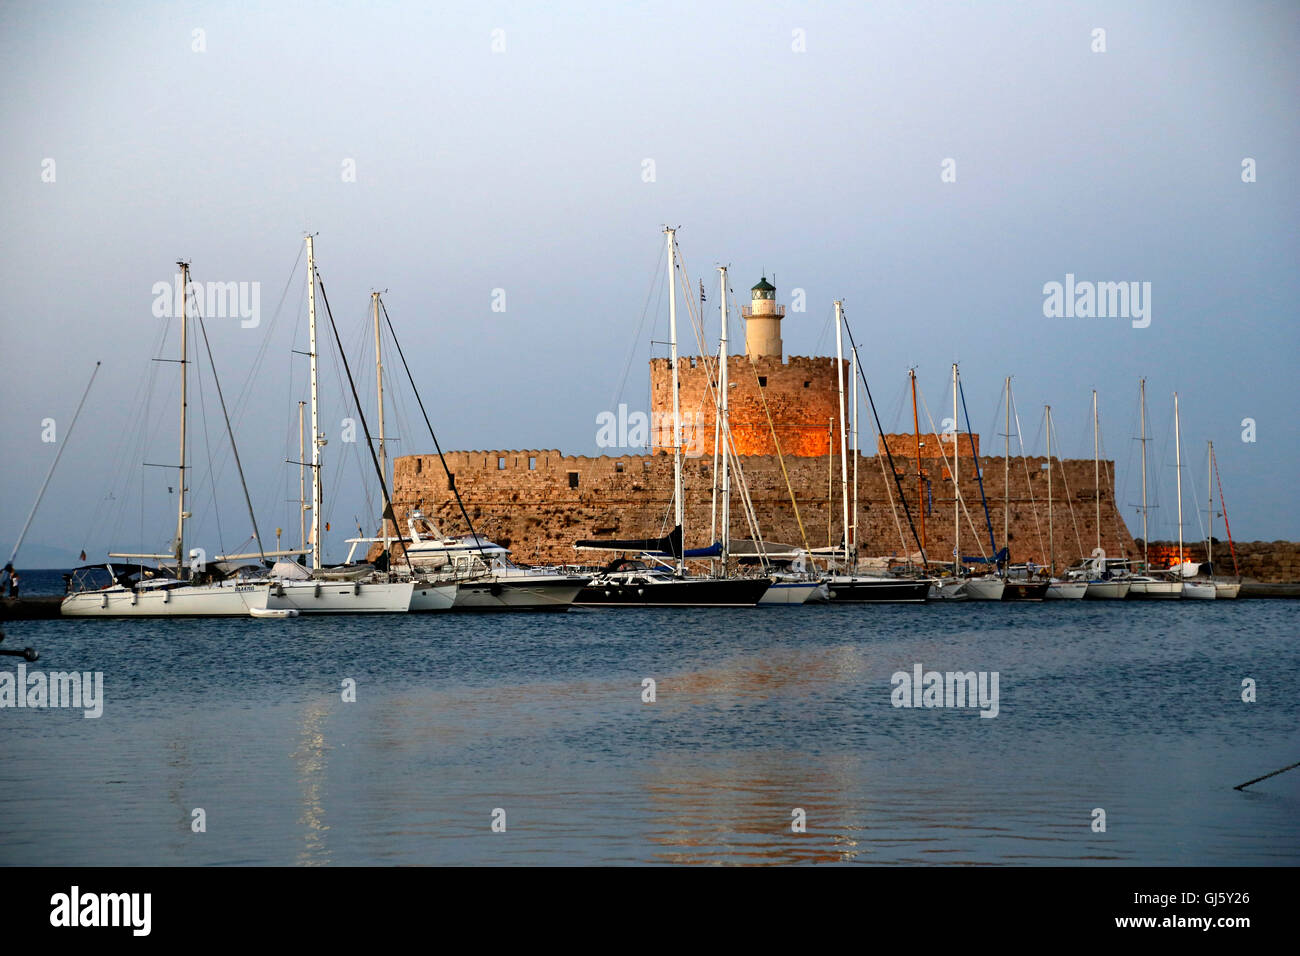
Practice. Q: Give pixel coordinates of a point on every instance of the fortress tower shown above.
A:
(763, 322)
(800, 394)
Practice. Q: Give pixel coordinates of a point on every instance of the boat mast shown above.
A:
(956, 490)
(1051, 539)
(1209, 535)
(1006, 482)
(726, 422)
(180, 507)
(316, 441)
(379, 380)
(1096, 467)
(920, 478)
(1223, 502)
(302, 484)
(853, 418)
(677, 420)
(1142, 402)
(1178, 467)
(844, 455)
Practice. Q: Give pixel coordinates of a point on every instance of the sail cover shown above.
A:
(669, 544)
(998, 558)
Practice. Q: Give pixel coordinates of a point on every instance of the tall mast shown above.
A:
(302, 484)
(920, 478)
(1142, 394)
(956, 492)
(853, 418)
(316, 524)
(1209, 478)
(180, 503)
(379, 380)
(844, 455)
(1096, 465)
(677, 419)
(1051, 539)
(1006, 479)
(1178, 466)
(726, 421)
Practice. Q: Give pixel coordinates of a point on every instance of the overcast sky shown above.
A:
(442, 152)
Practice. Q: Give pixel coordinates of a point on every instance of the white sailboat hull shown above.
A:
(985, 589)
(207, 600)
(794, 592)
(1198, 590)
(337, 597)
(1108, 590)
(524, 592)
(1149, 590)
(1226, 590)
(1067, 590)
(432, 597)
(948, 589)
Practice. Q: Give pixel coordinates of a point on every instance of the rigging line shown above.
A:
(207, 452)
(655, 283)
(1069, 500)
(54, 464)
(233, 448)
(1214, 460)
(383, 483)
(450, 480)
(776, 443)
(906, 510)
(892, 507)
(1033, 505)
(958, 496)
(245, 393)
(979, 472)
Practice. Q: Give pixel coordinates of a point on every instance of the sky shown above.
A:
(504, 171)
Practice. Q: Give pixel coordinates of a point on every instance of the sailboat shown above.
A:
(979, 587)
(849, 587)
(317, 590)
(175, 590)
(1192, 590)
(660, 580)
(1016, 589)
(1058, 589)
(461, 573)
(1104, 582)
(1223, 590)
(1147, 585)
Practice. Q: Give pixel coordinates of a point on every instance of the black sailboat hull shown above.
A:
(1025, 590)
(879, 592)
(684, 592)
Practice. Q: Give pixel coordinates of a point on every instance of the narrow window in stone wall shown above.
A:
(532, 463)
(501, 464)
(451, 481)
(645, 466)
(419, 465)
(806, 384)
(762, 381)
(618, 467)
(573, 479)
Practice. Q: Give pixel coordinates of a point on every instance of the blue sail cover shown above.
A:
(712, 551)
(998, 558)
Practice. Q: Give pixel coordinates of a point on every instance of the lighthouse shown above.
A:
(763, 322)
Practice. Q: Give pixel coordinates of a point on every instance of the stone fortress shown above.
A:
(539, 501)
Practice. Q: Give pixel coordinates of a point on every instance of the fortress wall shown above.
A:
(539, 512)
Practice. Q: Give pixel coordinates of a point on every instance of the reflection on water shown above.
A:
(758, 715)
(309, 761)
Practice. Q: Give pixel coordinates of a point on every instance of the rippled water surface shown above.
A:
(1134, 709)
